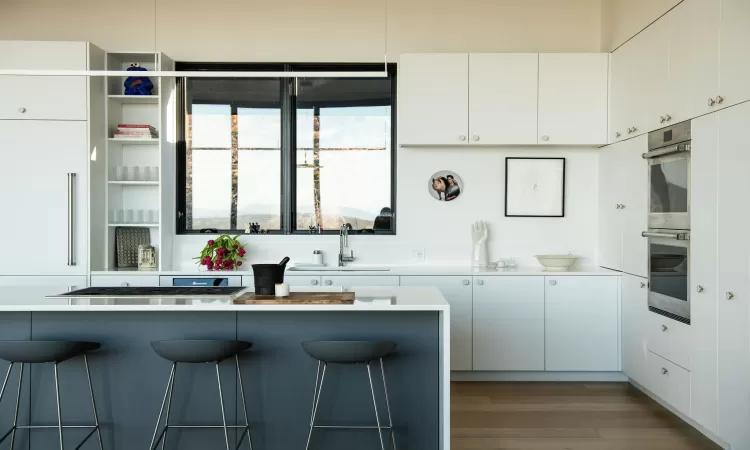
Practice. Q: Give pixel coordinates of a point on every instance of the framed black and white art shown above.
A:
(534, 187)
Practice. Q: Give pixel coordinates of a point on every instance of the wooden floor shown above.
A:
(569, 416)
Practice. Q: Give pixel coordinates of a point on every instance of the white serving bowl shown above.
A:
(557, 263)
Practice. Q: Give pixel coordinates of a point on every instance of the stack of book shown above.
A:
(135, 131)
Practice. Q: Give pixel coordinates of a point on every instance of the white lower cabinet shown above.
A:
(581, 323)
(668, 381)
(291, 280)
(55, 283)
(668, 338)
(634, 310)
(508, 323)
(458, 292)
(125, 281)
(347, 281)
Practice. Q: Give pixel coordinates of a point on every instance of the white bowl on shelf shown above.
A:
(557, 263)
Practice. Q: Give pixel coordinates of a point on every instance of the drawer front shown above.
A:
(133, 280)
(669, 382)
(231, 280)
(43, 98)
(669, 339)
(295, 280)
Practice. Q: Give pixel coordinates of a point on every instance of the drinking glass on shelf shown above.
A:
(139, 216)
(153, 173)
(128, 216)
(118, 216)
(152, 216)
(119, 173)
(145, 173)
(134, 173)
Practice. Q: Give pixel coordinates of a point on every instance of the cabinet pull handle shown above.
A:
(329, 282)
(719, 99)
(462, 138)
(545, 138)
(475, 137)
(313, 282)
(711, 102)
(617, 134)
(22, 110)
(664, 328)
(124, 284)
(643, 285)
(730, 295)
(664, 371)
(699, 288)
(71, 218)
(466, 282)
(662, 119)
(553, 282)
(668, 117)
(480, 282)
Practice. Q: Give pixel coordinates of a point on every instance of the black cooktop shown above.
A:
(148, 291)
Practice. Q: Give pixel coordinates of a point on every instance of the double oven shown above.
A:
(668, 231)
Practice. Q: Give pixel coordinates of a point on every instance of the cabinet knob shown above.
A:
(643, 285)
(719, 99)
(699, 288)
(313, 282)
(553, 282)
(475, 137)
(730, 295)
(462, 138)
(634, 129)
(124, 284)
(22, 110)
(466, 282)
(668, 117)
(545, 138)
(618, 134)
(329, 282)
(664, 328)
(622, 206)
(480, 282)
(662, 119)
(664, 371)
(711, 102)
(617, 206)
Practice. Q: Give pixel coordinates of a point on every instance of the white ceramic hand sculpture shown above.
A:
(479, 254)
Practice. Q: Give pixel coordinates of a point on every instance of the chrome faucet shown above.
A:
(344, 243)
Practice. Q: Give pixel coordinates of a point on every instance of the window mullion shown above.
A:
(288, 159)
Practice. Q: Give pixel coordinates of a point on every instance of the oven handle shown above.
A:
(675, 236)
(677, 148)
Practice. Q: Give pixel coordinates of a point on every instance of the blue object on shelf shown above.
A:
(136, 85)
(203, 282)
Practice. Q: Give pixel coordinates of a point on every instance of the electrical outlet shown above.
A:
(418, 254)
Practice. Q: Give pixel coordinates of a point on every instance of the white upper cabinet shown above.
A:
(43, 97)
(634, 307)
(610, 214)
(734, 52)
(503, 89)
(677, 103)
(573, 98)
(705, 17)
(433, 98)
(580, 325)
(502, 99)
(652, 76)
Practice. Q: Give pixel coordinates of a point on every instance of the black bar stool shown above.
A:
(351, 352)
(56, 352)
(194, 352)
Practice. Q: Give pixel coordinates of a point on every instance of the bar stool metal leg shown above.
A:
(169, 408)
(18, 403)
(5, 383)
(93, 403)
(59, 412)
(221, 401)
(391, 435)
(316, 398)
(375, 405)
(154, 442)
(244, 405)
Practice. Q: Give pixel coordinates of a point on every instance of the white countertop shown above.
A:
(396, 270)
(398, 298)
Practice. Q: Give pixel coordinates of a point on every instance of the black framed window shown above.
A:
(289, 154)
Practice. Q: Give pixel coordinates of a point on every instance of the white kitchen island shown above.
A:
(129, 378)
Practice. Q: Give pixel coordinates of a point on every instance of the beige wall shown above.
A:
(622, 19)
(294, 30)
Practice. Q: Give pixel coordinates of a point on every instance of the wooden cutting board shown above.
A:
(297, 298)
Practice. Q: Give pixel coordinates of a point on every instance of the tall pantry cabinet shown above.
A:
(48, 139)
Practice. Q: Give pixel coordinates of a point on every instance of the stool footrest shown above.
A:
(354, 427)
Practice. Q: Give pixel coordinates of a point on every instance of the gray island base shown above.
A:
(279, 377)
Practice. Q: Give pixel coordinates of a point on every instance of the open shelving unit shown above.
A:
(152, 189)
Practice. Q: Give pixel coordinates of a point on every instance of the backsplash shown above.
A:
(442, 229)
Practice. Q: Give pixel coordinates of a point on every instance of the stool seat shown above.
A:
(348, 352)
(199, 350)
(31, 352)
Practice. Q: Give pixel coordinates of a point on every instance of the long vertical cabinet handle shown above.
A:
(71, 217)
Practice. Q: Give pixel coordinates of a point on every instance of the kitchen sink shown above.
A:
(338, 269)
